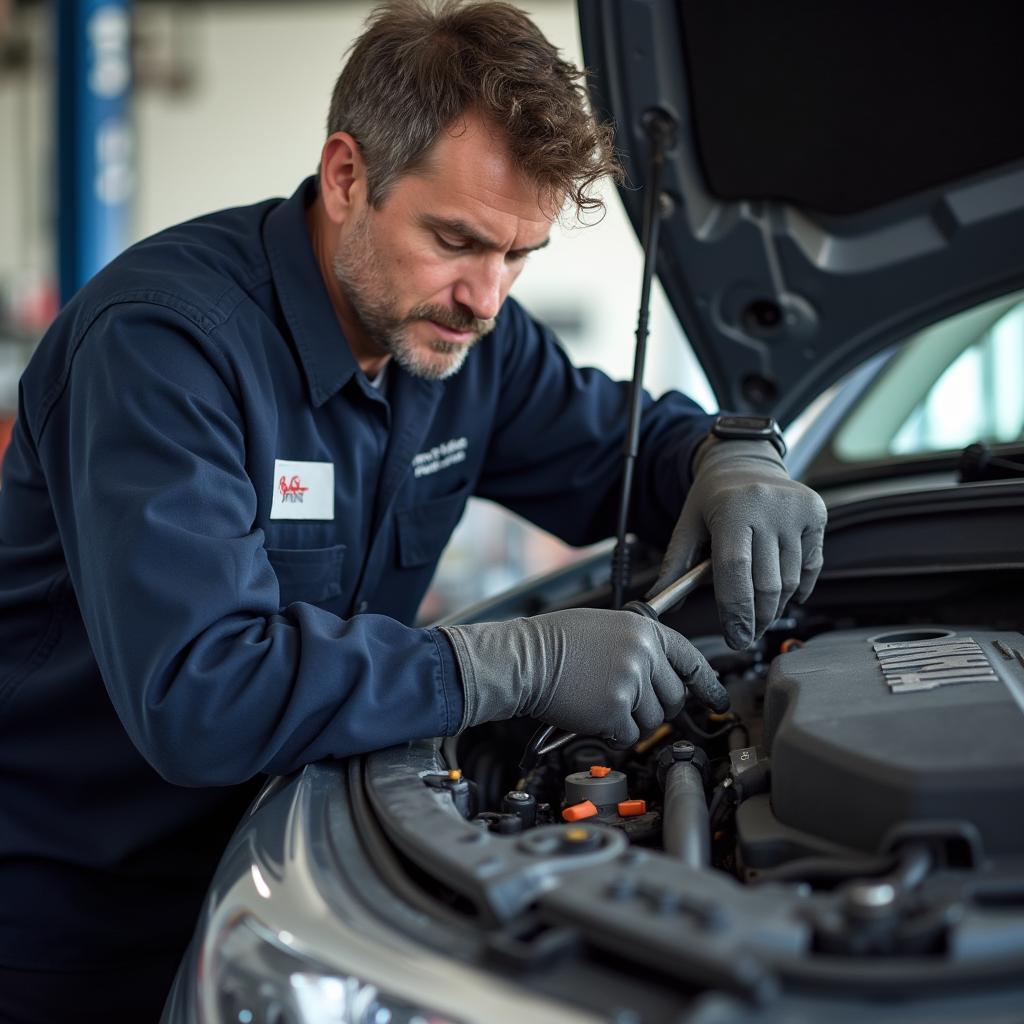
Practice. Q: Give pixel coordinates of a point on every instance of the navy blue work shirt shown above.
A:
(214, 534)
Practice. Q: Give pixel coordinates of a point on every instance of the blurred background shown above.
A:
(119, 119)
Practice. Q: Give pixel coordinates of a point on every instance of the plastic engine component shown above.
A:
(876, 734)
(604, 787)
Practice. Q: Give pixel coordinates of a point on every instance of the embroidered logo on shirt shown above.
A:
(441, 456)
(303, 490)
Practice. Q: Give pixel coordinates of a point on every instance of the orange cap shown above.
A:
(577, 812)
(599, 771)
(630, 808)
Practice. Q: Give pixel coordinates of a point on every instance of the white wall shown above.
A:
(254, 125)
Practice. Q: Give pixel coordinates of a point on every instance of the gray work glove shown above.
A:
(613, 674)
(765, 532)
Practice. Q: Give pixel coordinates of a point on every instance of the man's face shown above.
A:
(426, 273)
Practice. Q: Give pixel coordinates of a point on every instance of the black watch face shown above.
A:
(753, 423)
(749, 428)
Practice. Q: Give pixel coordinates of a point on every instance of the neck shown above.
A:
(367, 353)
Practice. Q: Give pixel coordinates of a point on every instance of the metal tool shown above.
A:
(664, 601)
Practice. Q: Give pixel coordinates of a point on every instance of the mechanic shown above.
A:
(239, 452)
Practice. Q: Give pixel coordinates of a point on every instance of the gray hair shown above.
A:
(420, 65)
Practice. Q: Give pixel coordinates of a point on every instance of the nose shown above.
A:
(482, 286)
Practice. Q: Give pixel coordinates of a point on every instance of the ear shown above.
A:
(342, 176)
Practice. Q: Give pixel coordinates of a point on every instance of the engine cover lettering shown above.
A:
(913, 665)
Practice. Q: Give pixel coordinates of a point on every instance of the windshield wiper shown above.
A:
(979, 462)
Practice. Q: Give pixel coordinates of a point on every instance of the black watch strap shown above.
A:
(749, 428)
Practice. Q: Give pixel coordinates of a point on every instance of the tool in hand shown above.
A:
(664, 601)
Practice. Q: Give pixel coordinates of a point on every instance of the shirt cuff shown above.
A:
(451, 682)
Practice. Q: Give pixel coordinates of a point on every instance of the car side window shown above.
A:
(955, 383)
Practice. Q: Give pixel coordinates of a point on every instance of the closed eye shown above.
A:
(453, 246)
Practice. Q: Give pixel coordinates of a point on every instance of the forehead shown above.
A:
(470, 176)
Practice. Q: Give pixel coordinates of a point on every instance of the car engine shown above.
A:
(839, 749)
(850, 825)
(867, 735)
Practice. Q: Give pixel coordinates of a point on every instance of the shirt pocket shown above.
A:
(307, 574)
(423, 530)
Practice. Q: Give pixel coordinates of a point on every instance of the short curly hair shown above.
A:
(421, 64)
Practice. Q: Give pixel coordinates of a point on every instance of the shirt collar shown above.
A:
(323, 349)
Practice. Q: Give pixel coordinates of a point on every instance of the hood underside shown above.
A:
(841, 175)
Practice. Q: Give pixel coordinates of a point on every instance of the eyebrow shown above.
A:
(463, 230)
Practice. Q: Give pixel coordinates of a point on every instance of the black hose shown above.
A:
(531, 755)
(827, 870)
(904, 869)
(719, 811)
(686, 832)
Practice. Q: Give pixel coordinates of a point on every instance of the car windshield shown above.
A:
(957, 382)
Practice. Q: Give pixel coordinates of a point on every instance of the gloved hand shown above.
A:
(765, 531)
(613, 674)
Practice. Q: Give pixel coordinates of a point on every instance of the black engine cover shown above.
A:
(860, 755)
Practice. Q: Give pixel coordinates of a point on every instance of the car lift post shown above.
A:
(94, 152)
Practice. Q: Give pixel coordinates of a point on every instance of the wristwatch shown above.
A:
(749, 428)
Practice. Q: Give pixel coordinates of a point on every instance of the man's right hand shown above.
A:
(613, 674)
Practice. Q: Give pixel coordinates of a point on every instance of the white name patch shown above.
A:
(303, 490)
(441, 456)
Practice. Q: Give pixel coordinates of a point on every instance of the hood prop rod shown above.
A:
(661, 136)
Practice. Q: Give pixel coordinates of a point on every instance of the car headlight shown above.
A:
(259, 980)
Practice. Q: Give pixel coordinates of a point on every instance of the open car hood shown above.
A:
(841, 177)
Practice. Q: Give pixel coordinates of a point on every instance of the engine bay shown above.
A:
(849, 746)
(839, 826)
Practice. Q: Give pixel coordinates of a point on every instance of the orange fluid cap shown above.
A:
(599, 771)
(577, 812)
(631, 808)
(455, 775)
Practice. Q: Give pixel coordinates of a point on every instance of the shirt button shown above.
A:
(361, 607)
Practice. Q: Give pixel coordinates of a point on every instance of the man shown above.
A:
(238, 455)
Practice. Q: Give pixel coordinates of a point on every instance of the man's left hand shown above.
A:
(765, 531)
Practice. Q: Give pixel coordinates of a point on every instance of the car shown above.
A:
(842, 238)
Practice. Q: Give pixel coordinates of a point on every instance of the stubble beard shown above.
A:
(362, 275)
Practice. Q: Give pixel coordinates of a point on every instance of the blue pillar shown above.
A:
(95, 177)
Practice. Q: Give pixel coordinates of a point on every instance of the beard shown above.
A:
(363, 275)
